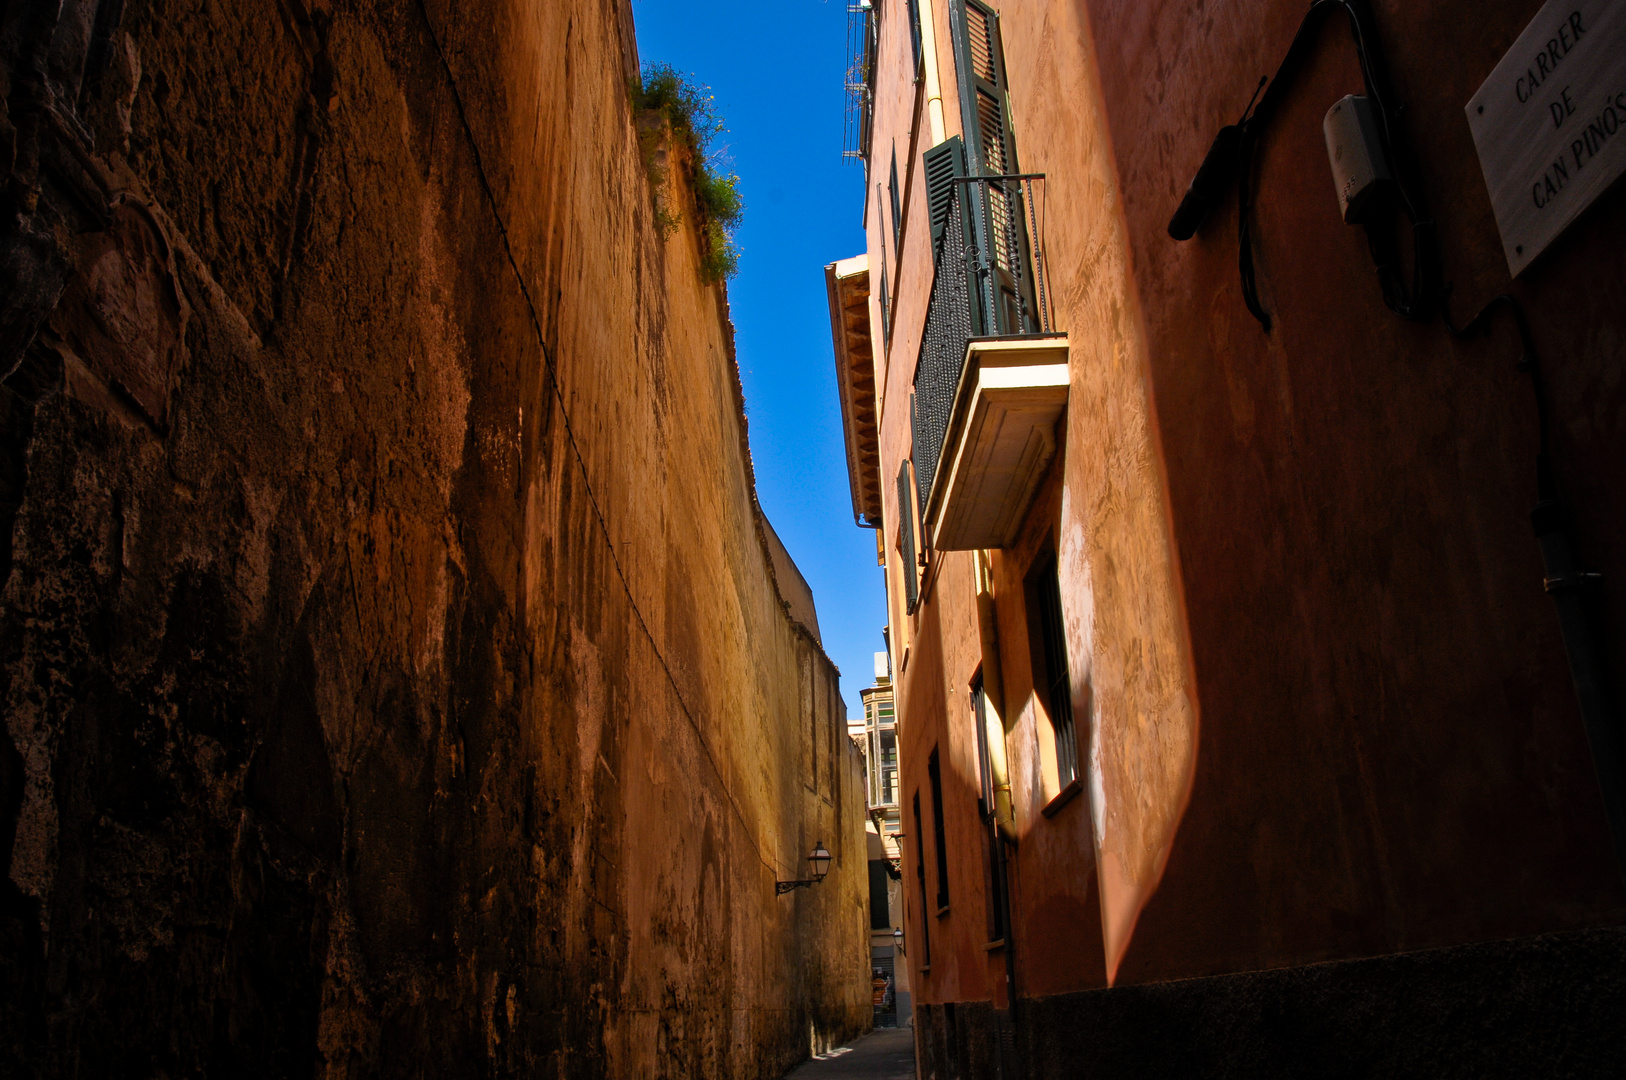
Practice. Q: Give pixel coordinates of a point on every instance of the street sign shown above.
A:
(1550, 123)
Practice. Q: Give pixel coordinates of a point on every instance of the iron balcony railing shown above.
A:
(860, 82)
(990, 281)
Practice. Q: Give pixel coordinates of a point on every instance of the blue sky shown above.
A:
(776, 68)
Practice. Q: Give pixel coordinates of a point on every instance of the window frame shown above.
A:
(920, 878)
(934, 773)
(1052, 675)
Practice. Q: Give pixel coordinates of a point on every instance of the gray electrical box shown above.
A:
(1355, 151)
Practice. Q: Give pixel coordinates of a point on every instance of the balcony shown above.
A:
(991, 382)
(848, 284)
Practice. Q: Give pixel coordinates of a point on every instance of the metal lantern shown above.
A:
(820, 860)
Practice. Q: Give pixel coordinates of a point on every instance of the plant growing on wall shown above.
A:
(690, 113)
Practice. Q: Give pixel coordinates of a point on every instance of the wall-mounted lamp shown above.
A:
(897, 940)
(820, 858)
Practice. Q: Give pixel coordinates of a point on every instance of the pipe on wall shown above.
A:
(934, 82)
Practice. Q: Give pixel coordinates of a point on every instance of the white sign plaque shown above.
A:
(1550, 123)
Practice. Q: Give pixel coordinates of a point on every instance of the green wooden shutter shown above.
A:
(1004, 290)
(984, 108)
(944, 162)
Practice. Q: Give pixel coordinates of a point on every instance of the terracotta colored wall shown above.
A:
(1316, 540)
(1391, 756)
(1113, 519)
(396, 679)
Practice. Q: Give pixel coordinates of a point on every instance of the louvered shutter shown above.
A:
(1004, 299)
(984, 111)
(944, 162)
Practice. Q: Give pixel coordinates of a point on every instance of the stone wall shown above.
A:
(396, 681)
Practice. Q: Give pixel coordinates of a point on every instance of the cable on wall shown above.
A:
(1232, 156)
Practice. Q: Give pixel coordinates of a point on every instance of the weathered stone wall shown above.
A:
(396, 681)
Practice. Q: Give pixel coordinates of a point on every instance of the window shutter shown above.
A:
(897, 206)
(920, 876)
(944, 162)
(886, 292)
(906, 539)
(934, 771)
(984, 111)
(914, 31)
(1059, 683)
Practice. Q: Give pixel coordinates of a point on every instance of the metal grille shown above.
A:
(949, 326)
(989, 282)
(860, 80)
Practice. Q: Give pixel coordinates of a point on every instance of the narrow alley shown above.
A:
(876, 540)
(883, 1054)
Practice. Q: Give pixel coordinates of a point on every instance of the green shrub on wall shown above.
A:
(691, 115)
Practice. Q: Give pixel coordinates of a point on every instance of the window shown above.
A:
(886, 290)
(906, 539)
(939, 836)
(985, 769)
(914, 31)
(889, 768)
(1050, 674)
(880, 915)
(920, 877)
(873, 788)
(994, 895)
(897, 209)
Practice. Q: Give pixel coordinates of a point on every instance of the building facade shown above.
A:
(881, 752)
(878, 737)
(399, 676)
(1255, 677)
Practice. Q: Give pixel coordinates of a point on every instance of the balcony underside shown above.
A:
(848, 285)
(1001, 438)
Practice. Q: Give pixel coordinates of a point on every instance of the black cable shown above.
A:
(1528, 362)
(1412, 302)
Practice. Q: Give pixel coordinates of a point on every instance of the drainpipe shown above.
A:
(1566, 584)
(934, 85)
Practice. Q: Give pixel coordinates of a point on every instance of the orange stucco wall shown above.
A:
(1323, 698)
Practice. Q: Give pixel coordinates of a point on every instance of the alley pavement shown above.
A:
(884, 1054)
